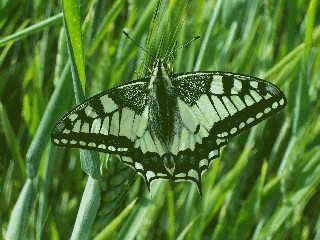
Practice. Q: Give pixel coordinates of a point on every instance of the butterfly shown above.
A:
(169, 126)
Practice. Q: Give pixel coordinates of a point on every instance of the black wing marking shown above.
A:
(107, 122)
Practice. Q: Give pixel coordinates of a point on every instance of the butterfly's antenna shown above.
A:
(127, 35)
(177, 49)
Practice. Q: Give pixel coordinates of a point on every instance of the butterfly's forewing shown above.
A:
(227, 104)
(107, 122)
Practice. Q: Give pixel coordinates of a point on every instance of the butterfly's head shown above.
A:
(162, 64)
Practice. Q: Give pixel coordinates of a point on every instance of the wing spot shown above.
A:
(193, 173)
(274, 105)
(76, 126)
(82, 143)
(112, 148)
(150, 174)
(249, 101)
(56, 141)
(108, 104)
(92, 144)
(281, 102)
(254, 84)
(204, 162)
(237, 86)
(238, 102)
(259, 115)
(126, 122)
(219, 141)
(114, 128)
(73, 142)
(216, 85)
(250, 120)
(102, 146)
(230, 107)
(267, 110)
(105, 126)
(255, 95)
(66, 131)
(73, 116)
(181, 175)
(127, 160)
(64, 141)
(219, 107)
(242, 125)
(267, 96)
(96, 125)
(161, 175)
(213, 154)
(138, 166)
(85, 127)
(233, 130)
(188, 116)
(90, 112)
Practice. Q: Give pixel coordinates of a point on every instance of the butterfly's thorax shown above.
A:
(163, 105)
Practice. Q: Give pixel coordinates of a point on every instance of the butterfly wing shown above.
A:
(107, 122)
(227, 104)
(214, 107)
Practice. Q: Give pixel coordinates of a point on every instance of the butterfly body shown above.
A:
(163, 106)
(169, 126)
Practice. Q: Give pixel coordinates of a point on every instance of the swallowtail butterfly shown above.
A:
(169, 126)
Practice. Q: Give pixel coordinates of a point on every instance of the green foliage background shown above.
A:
(53, 54)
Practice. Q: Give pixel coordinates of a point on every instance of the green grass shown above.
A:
(52, 56)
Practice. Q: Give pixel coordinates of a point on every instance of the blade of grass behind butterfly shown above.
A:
(31, 30)
(228, 215)
(250, 209)
(52, 162)
(209, 30)
(240, 61)
(177, 18)
(118, 180)
(128, 49)
(21, 212)
(140, 221)
(298, 178)
(12, 143)
(103, 28)
(111, 230)
(214, 200)
(61, 72)
(299, 197)
(302, 100)
(229, 218)
(153, 34)
(226, 51)
(37, 146)
(89, 161)
(35, 151)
